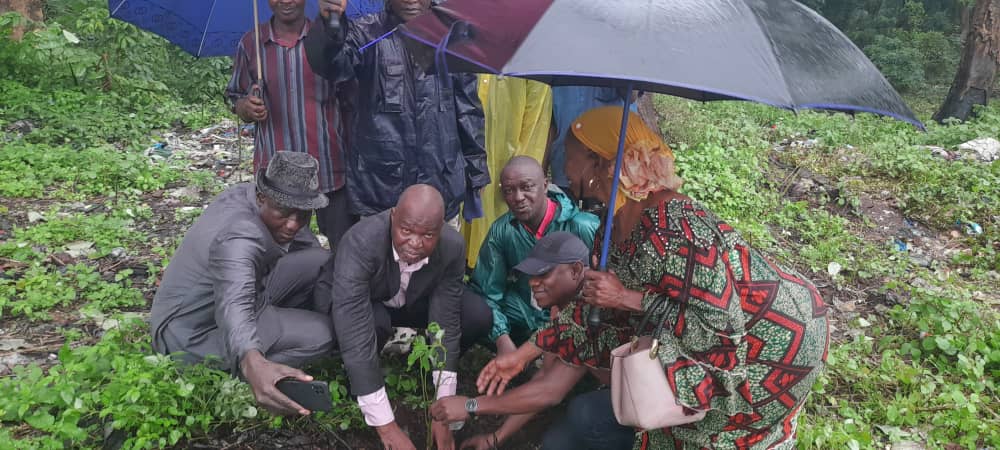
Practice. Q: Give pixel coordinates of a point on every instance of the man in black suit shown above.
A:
(401, 267)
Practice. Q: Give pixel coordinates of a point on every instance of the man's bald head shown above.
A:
(524, 164)
(416, 222)
(422, 201)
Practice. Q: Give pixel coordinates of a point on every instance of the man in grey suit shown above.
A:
(401, 267)
(240, 286)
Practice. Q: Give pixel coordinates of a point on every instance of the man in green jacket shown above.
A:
(536, 209)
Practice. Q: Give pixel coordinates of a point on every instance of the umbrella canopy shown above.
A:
(209, 27)
(776, 52)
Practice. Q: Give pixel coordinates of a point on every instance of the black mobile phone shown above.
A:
(312, 395)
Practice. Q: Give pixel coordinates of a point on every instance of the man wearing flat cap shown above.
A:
(240, 286)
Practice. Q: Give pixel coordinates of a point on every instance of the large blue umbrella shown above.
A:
(209, 27)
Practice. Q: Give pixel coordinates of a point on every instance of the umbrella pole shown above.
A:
(260, 72)
(594, 318)
(256, 40)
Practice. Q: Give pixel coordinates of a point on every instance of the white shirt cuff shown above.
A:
(446, 382)
(376, 408)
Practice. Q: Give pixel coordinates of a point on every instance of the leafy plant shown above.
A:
(31, 170)
(941, 379)
(40, 289)
(106, 233)
(120, 385)
(899, 60)
(427, 357)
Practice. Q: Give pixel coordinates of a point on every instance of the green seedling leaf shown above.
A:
(40, 420)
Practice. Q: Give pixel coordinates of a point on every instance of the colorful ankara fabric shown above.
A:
(743, 337)
(302, 108)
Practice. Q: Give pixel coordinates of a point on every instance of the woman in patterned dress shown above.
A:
(743, 338)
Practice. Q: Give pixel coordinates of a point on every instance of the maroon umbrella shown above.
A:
(776, 52)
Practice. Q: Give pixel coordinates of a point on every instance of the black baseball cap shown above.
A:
(553, 249)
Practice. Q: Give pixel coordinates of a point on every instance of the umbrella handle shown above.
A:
(333, 25)
(594, 318)
(256, 41)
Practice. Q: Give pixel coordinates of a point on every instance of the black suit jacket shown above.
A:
(363, 271)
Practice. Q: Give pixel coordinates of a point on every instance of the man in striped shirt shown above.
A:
(295, 109)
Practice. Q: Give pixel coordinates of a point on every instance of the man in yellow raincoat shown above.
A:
(518, 114)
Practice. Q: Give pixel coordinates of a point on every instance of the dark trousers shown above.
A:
(290, 327)
(336, 218)
(589, 424)
(477, 319)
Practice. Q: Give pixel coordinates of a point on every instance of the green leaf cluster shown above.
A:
(40, 170)
(118, 386)
(928, 374)
(106, 233)
(41, 288)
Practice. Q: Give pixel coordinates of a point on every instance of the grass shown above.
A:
(916, 359)
(119, 384)
(922, 370)
(27, 170)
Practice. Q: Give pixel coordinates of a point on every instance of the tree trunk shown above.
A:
(648, 113)
(31, 9)
(977, 69)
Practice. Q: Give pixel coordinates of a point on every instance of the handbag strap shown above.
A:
(661, 300)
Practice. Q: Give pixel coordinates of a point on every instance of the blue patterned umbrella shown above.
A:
(209, 27)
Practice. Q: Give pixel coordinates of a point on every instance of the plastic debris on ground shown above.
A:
(216, 148)
(984, 150)
(971, 228)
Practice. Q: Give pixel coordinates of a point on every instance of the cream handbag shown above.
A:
(638, 382)
(639, 387)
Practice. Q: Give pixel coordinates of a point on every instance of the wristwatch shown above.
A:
(471, 406)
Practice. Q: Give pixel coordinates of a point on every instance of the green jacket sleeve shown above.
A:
(585, 226)
(489, 279)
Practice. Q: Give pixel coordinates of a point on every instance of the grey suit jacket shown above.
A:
(208, 299)
(364, 271)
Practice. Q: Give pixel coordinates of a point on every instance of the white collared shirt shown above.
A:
(405, 272)
(375, 406)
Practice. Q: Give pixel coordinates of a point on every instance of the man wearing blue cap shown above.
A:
(536, 209)
(556, 267)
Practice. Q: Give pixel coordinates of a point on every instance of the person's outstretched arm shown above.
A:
(542, 392)
(333, 55)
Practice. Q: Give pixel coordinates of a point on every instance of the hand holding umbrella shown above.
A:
(331, 10)
(605, 290)
(251, 108)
